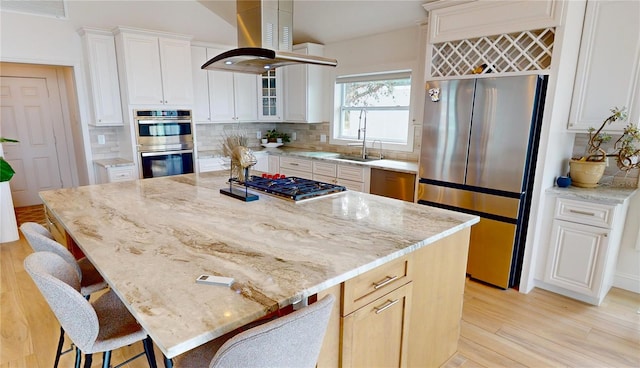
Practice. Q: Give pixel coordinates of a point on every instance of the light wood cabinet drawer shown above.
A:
(324, 168)
(349, 172)
(590, 213)
(363, 289)
(297, 164)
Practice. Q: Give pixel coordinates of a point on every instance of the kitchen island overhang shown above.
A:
(152, 238)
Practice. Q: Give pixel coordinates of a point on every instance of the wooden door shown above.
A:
(28, 117)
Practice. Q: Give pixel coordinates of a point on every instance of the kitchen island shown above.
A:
(152, 238)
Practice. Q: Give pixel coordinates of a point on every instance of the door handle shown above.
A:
(385, 306)
(582, 212)
(387, 280)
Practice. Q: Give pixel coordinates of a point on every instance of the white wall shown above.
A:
(628, 270)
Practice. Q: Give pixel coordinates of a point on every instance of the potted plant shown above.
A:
(274, 136)
(8, 224)
(587, 170)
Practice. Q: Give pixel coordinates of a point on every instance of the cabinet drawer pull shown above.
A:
(582, 212)
(294, 164)
(385, 306)
(379, 284)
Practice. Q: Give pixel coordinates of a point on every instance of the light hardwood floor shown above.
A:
(499, 328)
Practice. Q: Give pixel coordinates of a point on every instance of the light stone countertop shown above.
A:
(602, 193)
(394, 165)
(152, 238)
(113, 162)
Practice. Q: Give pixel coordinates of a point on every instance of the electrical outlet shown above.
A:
(258, 134)
(293, 136)
(323, 138)
(101, 139)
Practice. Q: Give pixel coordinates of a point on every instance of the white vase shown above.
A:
(8, 224)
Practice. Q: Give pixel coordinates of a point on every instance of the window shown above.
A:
(378, 101)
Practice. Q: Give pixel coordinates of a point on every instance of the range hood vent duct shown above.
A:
(264, 40)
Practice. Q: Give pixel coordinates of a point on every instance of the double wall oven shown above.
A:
(164, 141)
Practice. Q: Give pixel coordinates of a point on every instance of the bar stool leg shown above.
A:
(106, 359)
(148, 349)
(78, 357)
(88, 359)
(168, 363)
(59, 350)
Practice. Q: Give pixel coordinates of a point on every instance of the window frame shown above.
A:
(366, 77)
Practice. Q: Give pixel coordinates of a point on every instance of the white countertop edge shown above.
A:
(607, 194)
(113, 162)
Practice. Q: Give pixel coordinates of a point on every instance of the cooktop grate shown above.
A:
(293, 187)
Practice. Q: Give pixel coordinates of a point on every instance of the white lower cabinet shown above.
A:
(262, 163)
(583, 250)
(212, 164)
(352, 177)
(294, 166)
(274, 164)
(115, 173)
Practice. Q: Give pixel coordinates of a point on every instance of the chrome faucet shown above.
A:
(373, 144)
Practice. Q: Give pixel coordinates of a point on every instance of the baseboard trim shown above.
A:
(627, 282)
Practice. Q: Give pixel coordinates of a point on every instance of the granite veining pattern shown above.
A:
(152, 238)
(608, 194)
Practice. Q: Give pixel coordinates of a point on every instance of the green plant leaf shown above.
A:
(6, 171)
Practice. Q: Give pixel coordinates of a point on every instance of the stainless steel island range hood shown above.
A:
(264, 40)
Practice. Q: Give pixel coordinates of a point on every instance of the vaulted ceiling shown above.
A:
(329, 21)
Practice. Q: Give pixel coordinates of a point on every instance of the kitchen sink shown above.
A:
(319, 154)
(357, 158)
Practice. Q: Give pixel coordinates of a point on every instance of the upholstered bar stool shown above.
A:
(40, 239)
(101, 326)
(294, 340)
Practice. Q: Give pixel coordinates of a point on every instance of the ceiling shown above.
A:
(329, 21)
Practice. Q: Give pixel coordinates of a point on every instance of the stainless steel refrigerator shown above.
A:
(478, 154)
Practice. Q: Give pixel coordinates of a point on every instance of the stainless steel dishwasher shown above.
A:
(393, 184)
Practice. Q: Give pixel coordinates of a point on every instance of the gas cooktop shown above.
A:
(293, 187)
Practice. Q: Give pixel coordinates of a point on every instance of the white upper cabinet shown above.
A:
(608, 66)
(270, 96)
(100, 57)
(219, 96)
(245, 96)
(156, 69)
(303, 88)
(459, 20)
(200, 111)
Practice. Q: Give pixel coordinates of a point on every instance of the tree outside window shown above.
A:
(384, 97)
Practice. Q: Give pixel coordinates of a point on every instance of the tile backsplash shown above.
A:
(308, 136)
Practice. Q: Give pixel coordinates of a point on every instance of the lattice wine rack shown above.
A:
(505, 53)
